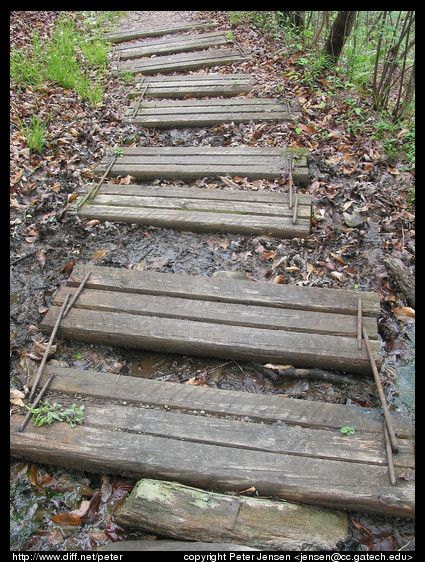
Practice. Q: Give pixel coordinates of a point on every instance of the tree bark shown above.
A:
(340, 30)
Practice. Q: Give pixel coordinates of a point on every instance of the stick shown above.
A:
(52, 337)
(390, 458)
(391, 432)
(359, 323)
(78, 291)
(93, 192)
(36, 401)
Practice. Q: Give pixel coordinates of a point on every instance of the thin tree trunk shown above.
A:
(338, 34)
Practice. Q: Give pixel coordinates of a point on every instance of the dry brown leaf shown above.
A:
(98, 255)
(16, 397)
(405, 313)
(64, 519)
(269, 255)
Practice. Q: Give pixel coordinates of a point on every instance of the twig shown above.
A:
(388, 419)
(291, 373)
(76, 294)
(36, 401)
(93, 191)
(229, 182)
(52, 337)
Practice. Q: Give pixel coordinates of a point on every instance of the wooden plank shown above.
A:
(213, 340)
(194, 85)
(184, 512)
(173, 45)
(190, 113)
(200, 212)
(264, 408)
(182, 62)
(293, 477)
(218, 313)
(196, 327)
(190, 163)
(199, 221)
(209, 288)
(129, 34)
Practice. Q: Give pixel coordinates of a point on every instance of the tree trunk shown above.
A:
(338, 34)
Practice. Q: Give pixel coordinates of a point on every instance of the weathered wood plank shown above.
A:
(182, 62)
(190, 163)
(318, 481)
(189, 113)
(194, 85)
(219, 313)
(319, 299)
(305, 459)
(188, 210)
(264, 408)
(366, 448)
(200, 221)
(223, 330)
(184, 512)
(173, 45)
(129, 34)
(235, 207)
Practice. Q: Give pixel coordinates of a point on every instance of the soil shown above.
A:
(351, 180)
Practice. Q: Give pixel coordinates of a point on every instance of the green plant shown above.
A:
(49, 413)
(348, 430)
(35, 132)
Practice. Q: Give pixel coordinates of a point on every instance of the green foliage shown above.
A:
(72, 57)
(348, 430)
(34, 132)
(49, 413)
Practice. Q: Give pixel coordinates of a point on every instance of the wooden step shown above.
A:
(206, 113)
(190, 163)
(225, 440)
(183, 61)
(201, 210)
(130, 34)
(302, 326)
(178, 44)
(193, 85)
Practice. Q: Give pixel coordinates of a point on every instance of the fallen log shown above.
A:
(183, 512)
(163, 545)
(403, 278)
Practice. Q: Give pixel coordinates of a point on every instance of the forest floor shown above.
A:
(362, 212)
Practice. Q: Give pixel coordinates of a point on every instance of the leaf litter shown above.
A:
(350, 176)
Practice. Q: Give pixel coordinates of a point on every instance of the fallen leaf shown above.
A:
(98, 255)
(337, 275)
(404, 313)
(82, 510)
(64, 519)
(16, 396)
(33, 478)
(269, 255)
